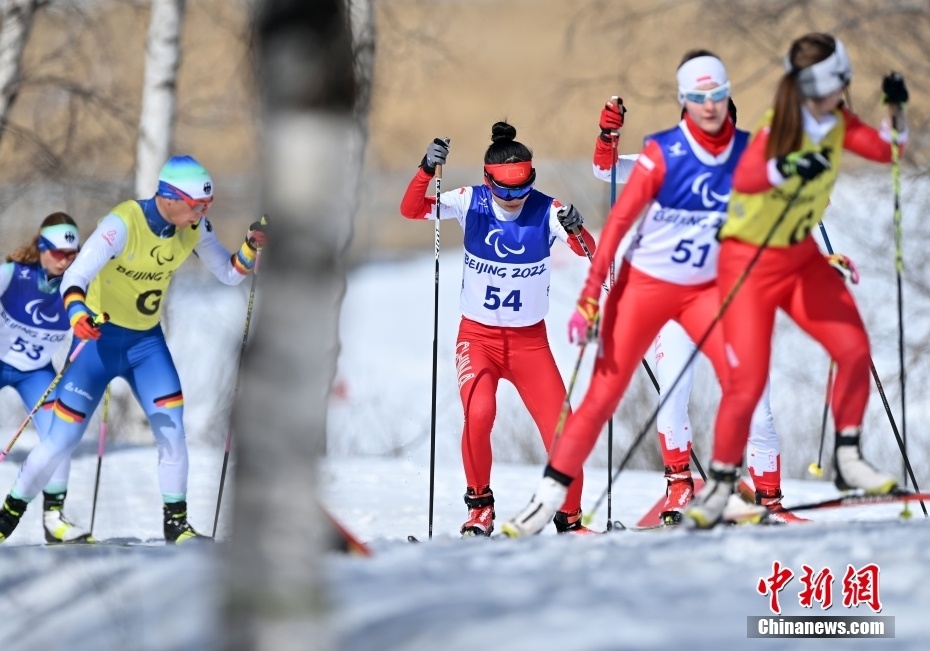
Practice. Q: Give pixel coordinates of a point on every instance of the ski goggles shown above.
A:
(521, 177)
(62, 255)
(508, 193)
(197, 205)
(715, 95)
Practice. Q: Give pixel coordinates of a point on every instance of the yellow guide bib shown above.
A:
(751, 217)
(131, 287)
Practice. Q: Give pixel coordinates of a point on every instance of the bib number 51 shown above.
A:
(686, 249)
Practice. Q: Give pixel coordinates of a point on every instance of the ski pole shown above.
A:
(610, 422)
(588, 518)
(881, 393)
(728, 299)
(97, 320)
(566, 404)
(815, 468)
(101, 444)
(899, 270)
(245, 340)
(432, 418)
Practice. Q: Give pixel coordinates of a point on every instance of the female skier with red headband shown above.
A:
(509, 229)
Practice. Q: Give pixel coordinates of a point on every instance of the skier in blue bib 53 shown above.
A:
(33, 326)
(124, 271)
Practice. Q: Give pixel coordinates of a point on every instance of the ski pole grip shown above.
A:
(100, 319)
(614, 99)
(438, 174)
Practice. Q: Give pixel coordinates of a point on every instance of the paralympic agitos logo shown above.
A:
(160, 257)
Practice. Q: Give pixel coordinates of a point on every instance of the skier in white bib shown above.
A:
(509, 229)
(672, 348)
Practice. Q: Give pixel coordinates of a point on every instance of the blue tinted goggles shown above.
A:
(509, 194)
(717, 94)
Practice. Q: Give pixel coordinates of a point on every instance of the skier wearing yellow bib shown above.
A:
(124, 270)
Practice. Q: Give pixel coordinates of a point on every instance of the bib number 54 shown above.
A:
(492, 299)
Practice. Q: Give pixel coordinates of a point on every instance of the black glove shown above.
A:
(806, 164)
(570, 219)
(436, 154)
(894, 91)
(256, 237)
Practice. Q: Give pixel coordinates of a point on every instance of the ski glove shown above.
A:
(894, 91)
(844, 266)
(582, 326)
(570, 219)
(256, 237)
(436, 154)
(806, 164)
(84, 328)
(612, 119)
(86, 324)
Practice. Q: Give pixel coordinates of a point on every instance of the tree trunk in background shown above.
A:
(15, 23)
(156, 123)
(312, 158)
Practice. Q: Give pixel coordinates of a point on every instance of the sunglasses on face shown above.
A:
(197, 205)
(62, 255)
(715, 95)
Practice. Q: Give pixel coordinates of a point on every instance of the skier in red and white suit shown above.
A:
(673, 348)
(509, 230)
(780, 191)
(680, 186)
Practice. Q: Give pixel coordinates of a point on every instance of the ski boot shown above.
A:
(678, 493)
(771, 499)
(566, 522)
(542, 507)
(480, 512)
(10, 513)
(59, 529)
(854, 472)
(177, 529)
(718, 502)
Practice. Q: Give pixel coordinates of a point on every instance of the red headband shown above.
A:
(513, 174)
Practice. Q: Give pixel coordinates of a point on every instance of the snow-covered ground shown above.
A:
(625, 590)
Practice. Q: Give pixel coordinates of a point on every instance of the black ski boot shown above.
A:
(10, 513)
(177, 529)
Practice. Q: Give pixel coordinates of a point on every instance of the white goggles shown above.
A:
(824, 77)
(717, 94)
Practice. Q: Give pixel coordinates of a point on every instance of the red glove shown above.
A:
(84, 328)
(612, 119)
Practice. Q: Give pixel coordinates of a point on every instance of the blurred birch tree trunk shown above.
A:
(156, 122)
(16, 18)
(312, 152)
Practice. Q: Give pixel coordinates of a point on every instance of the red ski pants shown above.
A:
(801, 282)
(484, 355)
(634, 312)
